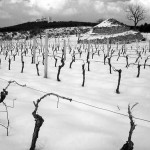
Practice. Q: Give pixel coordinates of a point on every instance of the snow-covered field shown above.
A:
(146, 35)
(73, 125)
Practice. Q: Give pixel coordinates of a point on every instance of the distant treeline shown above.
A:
(143, 28)
(44, 25)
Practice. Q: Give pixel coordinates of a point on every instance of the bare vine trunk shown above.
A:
(38, 123)
(129, 144)
(59, 68)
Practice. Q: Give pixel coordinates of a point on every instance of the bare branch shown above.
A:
(6, 110)
(9, 82)
(39, 120)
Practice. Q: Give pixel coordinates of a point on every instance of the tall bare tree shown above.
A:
(135, 13)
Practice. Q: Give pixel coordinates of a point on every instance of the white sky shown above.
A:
(19, 11)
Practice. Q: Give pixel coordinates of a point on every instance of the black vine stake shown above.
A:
(139, 66)
(14, 56)
(118, 55)
(88, 65)
(73, 60)
(87, 60)
(25, 52)
(83, 72)
(32, 60)
(6, 55)
(55, 61)
(9, 63)
(98, 52)
(139, 56)
(93, 55)
(80, 53)
(109, 63)
(11, 52)
(22, 66)
(145, 62)
(37, 68)
(43, 58)
(105, 56)
(18, 52)
(21, 57)
(127, 65)
(59, 68)
(119, 79)
(122, 49)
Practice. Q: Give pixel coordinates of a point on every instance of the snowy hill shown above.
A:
(112, 29)
(109, 23)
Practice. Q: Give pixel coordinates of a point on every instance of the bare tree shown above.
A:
(135, 13)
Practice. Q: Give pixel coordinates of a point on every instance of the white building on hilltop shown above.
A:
(48, 19)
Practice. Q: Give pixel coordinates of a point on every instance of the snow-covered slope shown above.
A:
(73, 125)
(112, 29)
(109, 23)
(91, 35)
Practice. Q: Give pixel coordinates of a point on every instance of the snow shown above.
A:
(74, 126)
(91, 36)
(146, 35)
(107, 23)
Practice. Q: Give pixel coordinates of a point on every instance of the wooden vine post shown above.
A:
(46, 57)
(64, 49)
(108, 47)
(34, 49)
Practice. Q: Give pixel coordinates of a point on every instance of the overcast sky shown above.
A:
(19, 11)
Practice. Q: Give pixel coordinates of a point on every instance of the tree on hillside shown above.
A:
(135, 13)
